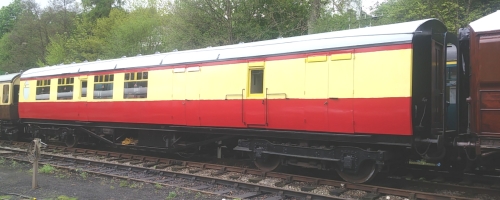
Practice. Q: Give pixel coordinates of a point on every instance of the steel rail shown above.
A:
(152, 161)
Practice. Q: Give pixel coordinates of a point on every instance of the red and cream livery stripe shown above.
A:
(366, 90)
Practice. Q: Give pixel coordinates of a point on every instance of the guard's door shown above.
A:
(82, 98)
(192, 103)
(340, 92)
(437, 88)
(255, 104)
(178, 96)
(316, 93)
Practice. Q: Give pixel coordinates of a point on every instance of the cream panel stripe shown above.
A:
(31, 90)
(383, 74)
(285, 77)
(160, 85)
(340, 79)
(217, 82)
(376, 74)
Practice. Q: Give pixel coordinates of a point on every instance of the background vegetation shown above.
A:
(76, 31)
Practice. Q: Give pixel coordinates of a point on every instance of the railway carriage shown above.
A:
(9, 116)
(479, 60)
(355, 101)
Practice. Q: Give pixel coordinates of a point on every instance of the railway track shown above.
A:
(226, 181)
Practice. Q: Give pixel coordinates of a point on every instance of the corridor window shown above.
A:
(43, 89)
(103, 86)
(136, 85)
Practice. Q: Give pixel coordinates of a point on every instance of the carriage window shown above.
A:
(256, 81)
(42, 89)
(136, 85)
(65, 88)
(5, 96)
(103, 86)
(84, 89)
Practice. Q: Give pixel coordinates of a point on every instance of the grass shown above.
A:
(198, 195)
(62, 176)
(5, 197)
(14, 164)
(47, 169)
(64, 197)
(84, 175)
(2, 160)
(171, 195)
(134, 185)
(158, 186)
(124, 183)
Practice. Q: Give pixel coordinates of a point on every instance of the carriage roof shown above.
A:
(370, 36)
(486, 23)
(8, 77)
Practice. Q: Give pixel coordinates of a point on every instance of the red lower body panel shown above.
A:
(371, 115)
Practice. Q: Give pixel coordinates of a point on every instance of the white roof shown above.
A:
(385, 34)
(489, 22)
(8, 77)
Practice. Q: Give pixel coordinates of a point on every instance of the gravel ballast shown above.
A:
(16, 178)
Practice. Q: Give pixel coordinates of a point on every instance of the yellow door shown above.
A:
(340, 92)
(316, 93)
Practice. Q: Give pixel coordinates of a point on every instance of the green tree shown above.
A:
(202, 23)
(9, 15)
(454, 14)
(140, 32)
(100, 8)
(24, 46)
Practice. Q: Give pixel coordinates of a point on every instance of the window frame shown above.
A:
(65, 82)
(45, 83)
(86, 88)
(249, 81)
(8, 94)
(135, 77)
(105, 79)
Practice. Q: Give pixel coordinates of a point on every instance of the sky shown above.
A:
(44, 3)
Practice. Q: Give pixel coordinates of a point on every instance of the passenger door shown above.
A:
(179, 96)
(82, 98)
(488, 84)
(437, 88)
(192, 96)
(5, 96)
(340, 92)
(256, 103)
(316, 93)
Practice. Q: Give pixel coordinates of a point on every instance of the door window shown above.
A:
(84, 89)
(5, 95)
(256, 81)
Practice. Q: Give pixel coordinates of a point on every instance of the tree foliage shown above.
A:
(202, 23)
(100, 8)
(455, 14)
(8, 16)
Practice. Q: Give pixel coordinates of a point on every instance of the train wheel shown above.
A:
(13, 136)
(267, 163)
(71, 140)
(366, 173)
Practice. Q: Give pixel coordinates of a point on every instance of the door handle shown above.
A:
(262, 101)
